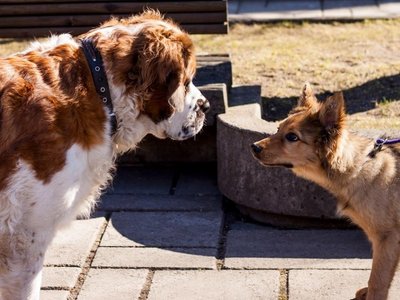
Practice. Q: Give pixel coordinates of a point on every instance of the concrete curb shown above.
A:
(270, 195)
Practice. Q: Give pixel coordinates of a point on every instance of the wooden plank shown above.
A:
(47, 31)
(74, 1)
(206, 28)
(109, 8)
(94, 20)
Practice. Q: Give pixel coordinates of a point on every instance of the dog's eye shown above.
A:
(292, 137)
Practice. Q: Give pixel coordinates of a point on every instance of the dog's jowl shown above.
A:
(68, 107)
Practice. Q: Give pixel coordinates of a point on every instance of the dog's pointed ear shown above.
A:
(307, 98)
(332, 113)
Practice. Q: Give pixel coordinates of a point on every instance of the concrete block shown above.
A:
(216, 94)
(246, 182)
(140, 180)
(183, 258)
(213, 69)
(265, 247)
(72, 245)
(60, 277)
(332, 284)
(163, 229)
(113, 284)
(244, 94)
(160, 203)
(53, 295)
(214, 285)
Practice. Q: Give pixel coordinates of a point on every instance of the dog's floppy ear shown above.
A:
(157, 63)
(307, 98)
(332, 113)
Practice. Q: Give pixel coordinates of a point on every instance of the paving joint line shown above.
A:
(294, 269)
(162, 247)
(158, 210)
(55, 288)
(144, 293)
(283, 284)
(154, 268)
(74, 292)
(227, 220)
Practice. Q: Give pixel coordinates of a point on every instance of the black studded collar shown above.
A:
(99, 77)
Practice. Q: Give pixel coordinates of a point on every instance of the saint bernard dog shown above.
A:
(68, 107)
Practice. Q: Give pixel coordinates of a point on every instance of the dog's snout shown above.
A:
(256, 149)
(204, 105)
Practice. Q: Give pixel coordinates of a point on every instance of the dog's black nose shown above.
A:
(256, 149)
(204, 105)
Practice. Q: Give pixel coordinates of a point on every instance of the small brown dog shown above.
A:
(314, 142)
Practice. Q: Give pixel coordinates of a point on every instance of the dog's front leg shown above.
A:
(20, 279)
(386, 250)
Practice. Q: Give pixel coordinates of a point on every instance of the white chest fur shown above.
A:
(72, 191)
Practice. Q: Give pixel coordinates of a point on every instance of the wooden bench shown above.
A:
(36, 18)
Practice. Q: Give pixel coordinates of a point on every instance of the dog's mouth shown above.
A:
(285, 165)
(280, 165)
(289, 166)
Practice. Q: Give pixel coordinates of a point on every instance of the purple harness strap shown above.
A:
(379, 143)
(387, 142)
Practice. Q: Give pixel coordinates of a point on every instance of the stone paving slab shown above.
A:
(294, 5)
(112, 202)
(53, 295)
(163, 229)
(332, 284)
(390, 7)
(199, 182)
(352, 9)
(214, 285)
(337, 9)
(139, 180)
(270, 10)
(115, 284)
(72, 245)
(185, 258)
(60, 277)
(257, 247)
(368, 12)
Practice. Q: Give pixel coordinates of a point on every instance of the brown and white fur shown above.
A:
(56, 148)
(314, 142)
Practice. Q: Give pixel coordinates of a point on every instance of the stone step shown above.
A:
(212, 69)
(244, 94)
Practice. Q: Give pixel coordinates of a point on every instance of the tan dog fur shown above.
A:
(367, 187)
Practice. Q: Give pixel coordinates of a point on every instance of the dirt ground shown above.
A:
(360, 58)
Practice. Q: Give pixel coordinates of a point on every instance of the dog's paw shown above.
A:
(361, 294)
